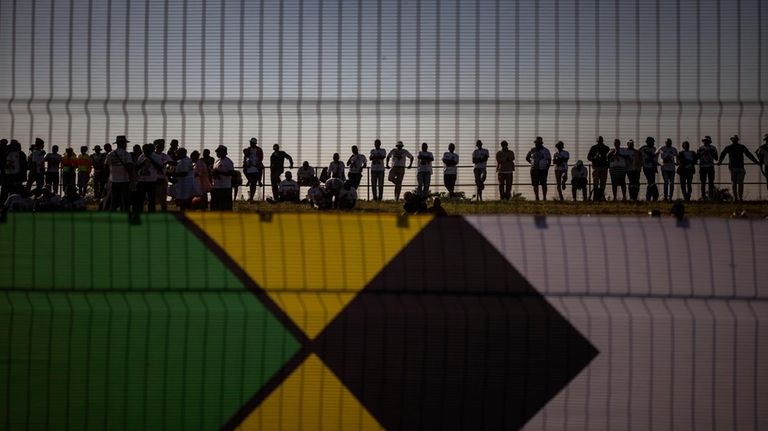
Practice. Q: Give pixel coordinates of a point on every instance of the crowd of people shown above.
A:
(149, 174)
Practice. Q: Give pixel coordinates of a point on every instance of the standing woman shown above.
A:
(184, 187)
(202, 177)
(686, 167)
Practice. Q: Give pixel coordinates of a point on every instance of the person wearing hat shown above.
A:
(480, 158)
(668, 156)
(505, 170)
(223, 169)
(253, 166)
(397, 173)
(762, 156)
(100, 173)
(122, 176)
(598, 155)
(707, 156)
(37, 165)
(560, 159)
(377, 157)
(276, 168)
(650, 168)
(736, 152)
(540, 159)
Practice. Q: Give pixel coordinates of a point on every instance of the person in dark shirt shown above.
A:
(413, 203)
(736, 152)
(762, 156)
(437, 209)
(277, 166)
(598, 155)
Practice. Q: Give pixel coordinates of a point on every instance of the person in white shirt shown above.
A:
(560, 159)
(223, 169)
(377, 157)
(121, 175)
(288, 190)
(356, 163)
(668, 156)
(505, 169)
(450, 160)
(336, 168)
(52, 161)
(479, 159)
(316, 195)
(424, 174)
(579, 180)
(304, 174)
(540, 159)
(397, 173)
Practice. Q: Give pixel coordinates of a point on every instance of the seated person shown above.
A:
(316, 195)
(348, 196)
(287, 190)
(413, 203)
(47, 201)
(305, 174)
(18, 200)
(72, 201)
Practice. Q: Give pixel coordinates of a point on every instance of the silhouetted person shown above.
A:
(356, 163)
(172, 148)
(288, 190)
(121, 175)
(148, 165)
(13, 175)
(634, 166)
(53, 164)
(376, 158)
(253, 166)
(540, 159)
(437, 209)
(397, 173)
(223, 169)
(686, 167)
(650, 168)
(37, 165)
(450, 160)
(168, 163)
(762, 156)
(598, 155)
(100, 173)
(84, 165)
(617, 166)
(209, 161)
(69, 168)
(136, 152)
(304, 174)
(277, 166)
(560, 159)
(3, 153)
(579, 180)
(413, 204)
(505, 170)
(333, 187)
(337, 168)
(668, 156)
(480, 158)
(707, 156)
(424, 176)
(348, 195)
(736, 152)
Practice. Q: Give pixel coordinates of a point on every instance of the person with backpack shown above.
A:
(707, 157)
(650, 168)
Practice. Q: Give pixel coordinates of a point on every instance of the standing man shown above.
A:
(707, 157)
(598, 155)
(12, 174)
(253, 167)
(52, 162)
(762, 156)
(83, 170)
(634, 164)
(686, 162)
(121, 175)
(424, 176)
(276, 167)
(37, 165)
(618, 169)
(540, 159)
(377, 157)
(356, 163)
(162, 175)
(99, 172)
(650, 168)
(480, 159)
(223, 169)
(668, 155)
(396, 175)
(505, 169)
(560, 159)
(450, 160)
(736, 152)
(69, 169)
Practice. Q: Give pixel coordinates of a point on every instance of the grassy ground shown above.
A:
(693, 209)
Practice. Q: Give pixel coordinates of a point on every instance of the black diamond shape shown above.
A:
(450, 335)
